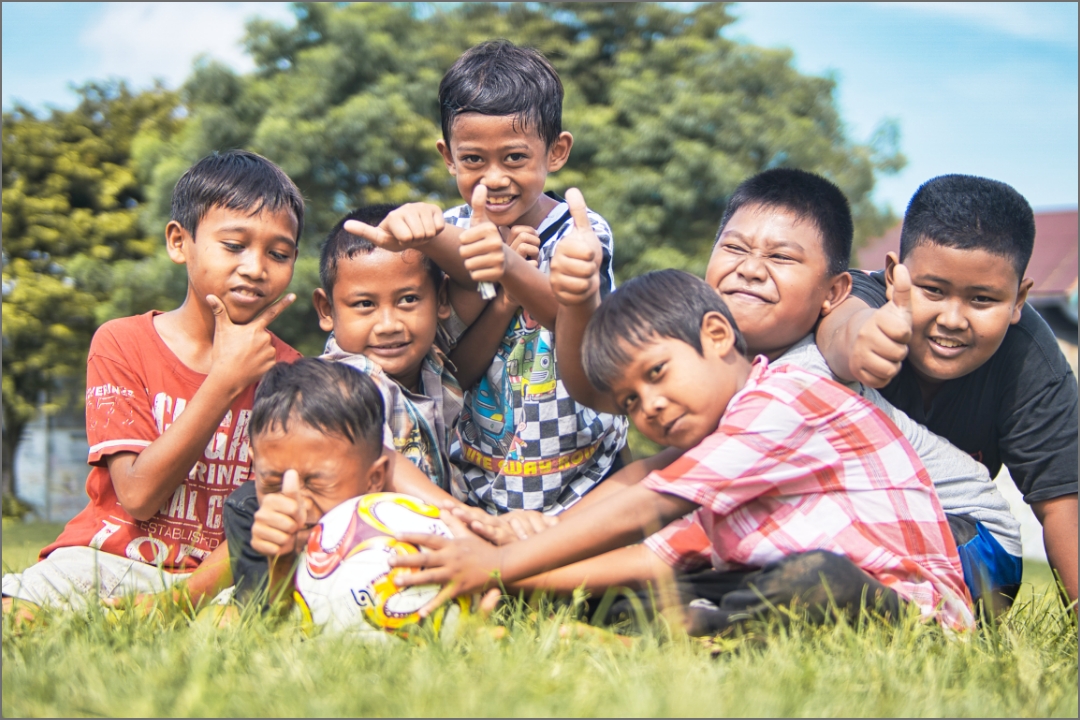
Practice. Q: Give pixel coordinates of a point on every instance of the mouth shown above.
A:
(499, 203)
(748, 296)
(246, 294)
(946, 346)
(389, 350)
(668, 427)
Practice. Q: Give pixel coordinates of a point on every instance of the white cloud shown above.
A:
(1047, 22)
(144, 41)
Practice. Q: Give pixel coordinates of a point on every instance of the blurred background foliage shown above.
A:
(668, 115)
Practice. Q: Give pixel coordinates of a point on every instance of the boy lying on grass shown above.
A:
(169, 394)
(780, 263)
(949, 340)
(804, 489)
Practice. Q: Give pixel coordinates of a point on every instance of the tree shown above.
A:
(71, 205)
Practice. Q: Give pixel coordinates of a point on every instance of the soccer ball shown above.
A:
(344, 581)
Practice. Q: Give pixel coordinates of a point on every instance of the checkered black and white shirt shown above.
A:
(801, 463)
(522, 442)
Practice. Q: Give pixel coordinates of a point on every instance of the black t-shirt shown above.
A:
(249, 568)
(1018, 409)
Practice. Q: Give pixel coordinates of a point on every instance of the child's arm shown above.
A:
(280, 532)
(634, 566)
(488, 258)
(241, 354)
(477, 346)
(467, 565)
(575, 283)
(1058, 518)
(868, 345)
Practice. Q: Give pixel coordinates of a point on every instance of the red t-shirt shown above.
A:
(135, 388)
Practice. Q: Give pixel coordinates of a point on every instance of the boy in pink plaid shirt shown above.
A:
(801, 488)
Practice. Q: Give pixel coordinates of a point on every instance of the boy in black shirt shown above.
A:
(947, 339)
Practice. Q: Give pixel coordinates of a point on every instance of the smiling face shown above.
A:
(675, 395)
(386, 307)
(245, 260)
(512, 162)
(962, 304)
(331, 468)
(771, 269)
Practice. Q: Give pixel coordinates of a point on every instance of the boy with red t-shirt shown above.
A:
(169, 395)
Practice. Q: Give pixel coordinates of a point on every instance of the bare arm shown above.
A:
(478, 345)
(408, 479)
(634, 566)
(241, 354)
(531, 288)
(569, 337)
(1058, 518)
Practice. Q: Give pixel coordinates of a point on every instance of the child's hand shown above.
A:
(462, 566)
(242, 354)
(882, 342)
(280, 527)
(482, 246)
(525, 242)
(409, 227)
(503, 529)
(575, 266)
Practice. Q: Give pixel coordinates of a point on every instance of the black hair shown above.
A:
(499, 78)
(660, 304)
(968, 213)
(340, 244)
(330, 397)
(807, 196)
(234, 180)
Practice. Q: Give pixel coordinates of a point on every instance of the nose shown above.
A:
(652, 403)
(495, 178)
(252, 265)
(951, 316)
(388, 322)
(752, 268)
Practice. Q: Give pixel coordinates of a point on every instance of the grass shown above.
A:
(172, 664)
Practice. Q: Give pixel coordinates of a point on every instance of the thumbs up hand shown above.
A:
(482, 246)
(882, 342)
(280, 527)
(575, 265)
(410, 226)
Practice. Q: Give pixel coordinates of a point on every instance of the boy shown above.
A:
(317, 440)
(522, 442)
(783, 468)
(779, 263)
(947, 338)
(169, 395)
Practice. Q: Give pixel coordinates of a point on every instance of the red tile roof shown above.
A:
(1053, 264)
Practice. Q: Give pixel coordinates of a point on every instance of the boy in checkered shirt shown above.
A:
(804, 489)
(522, 442)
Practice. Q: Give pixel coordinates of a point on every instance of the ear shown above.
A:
(1021, 298)
(891, 261)
(378, 474)
(717, 334)
(839, 289)
(447, 156)
(175, 237)
(444, 300)
(324, 308)
(559, 152)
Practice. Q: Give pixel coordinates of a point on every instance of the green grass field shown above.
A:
(169, 664)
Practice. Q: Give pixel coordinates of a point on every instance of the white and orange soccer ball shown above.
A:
(344, 581)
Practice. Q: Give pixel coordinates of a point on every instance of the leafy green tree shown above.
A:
(71, 205)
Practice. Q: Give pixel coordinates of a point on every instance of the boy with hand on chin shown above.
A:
(169, 395)
(948, 339)
(782, 468)
(522, 441)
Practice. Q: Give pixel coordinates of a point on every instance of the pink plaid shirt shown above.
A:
(801, 463)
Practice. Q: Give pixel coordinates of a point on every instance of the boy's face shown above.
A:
(770, 267)
(385, 306)
(512, 162)
(331, 468)
(962, 304)
(245, 260)
(676, 396)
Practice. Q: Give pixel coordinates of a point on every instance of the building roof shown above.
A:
(1053, 264)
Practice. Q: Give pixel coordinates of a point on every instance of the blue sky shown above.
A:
(981, 88)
